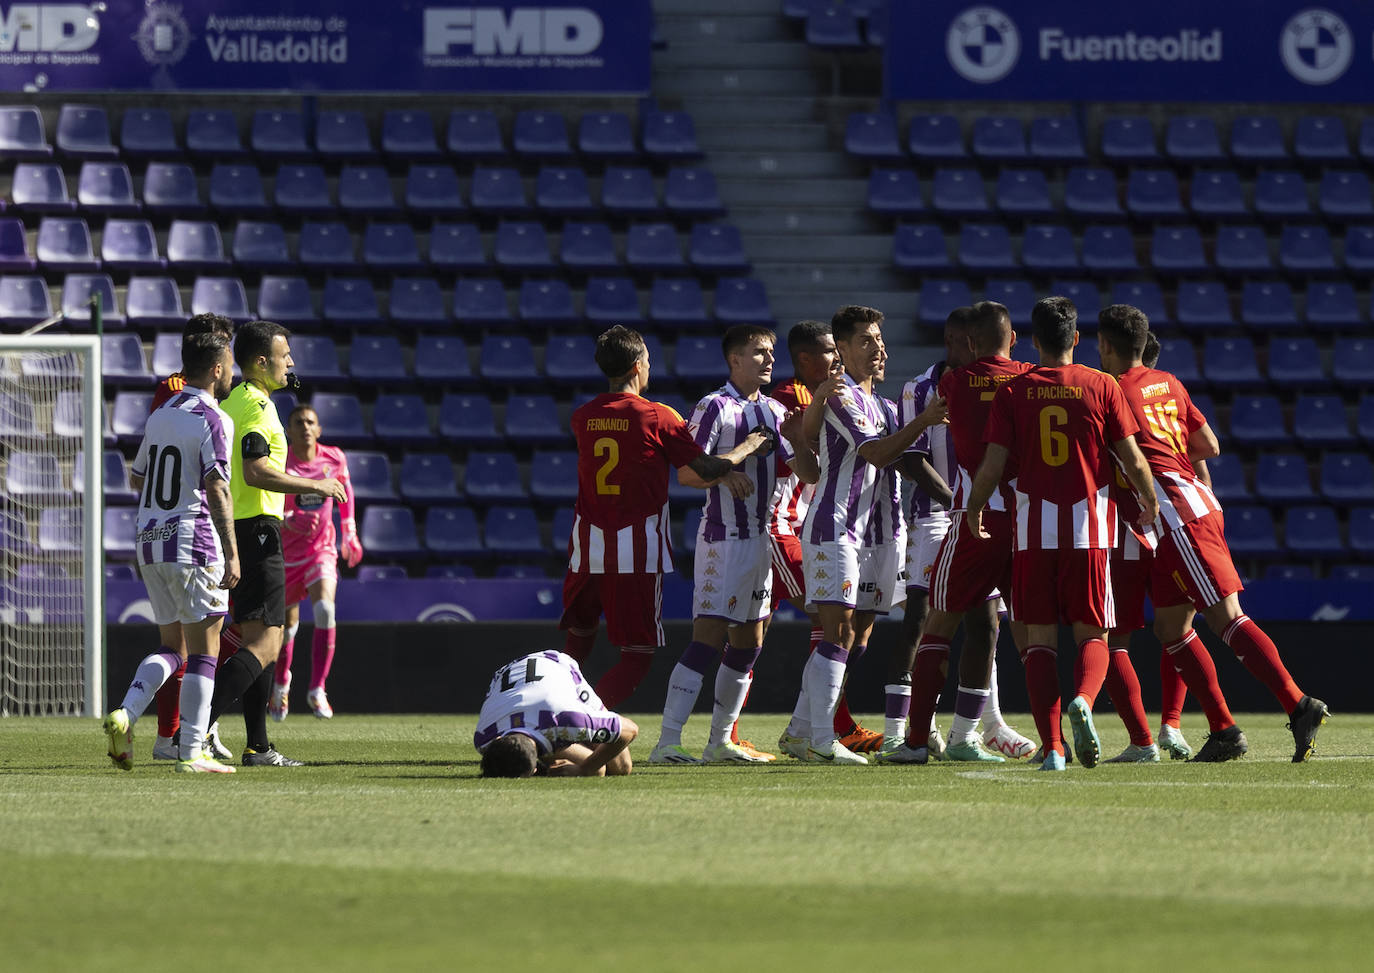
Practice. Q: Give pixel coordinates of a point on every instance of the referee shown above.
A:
(259, 484)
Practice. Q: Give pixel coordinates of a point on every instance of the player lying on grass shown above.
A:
(541, 716)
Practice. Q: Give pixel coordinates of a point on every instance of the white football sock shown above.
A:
(894, 727)
(152, 672)
(731, 688)
(800, 724)
(992, 712)
(964, 729)
(824, 679)
(683, 688)
(196, 691)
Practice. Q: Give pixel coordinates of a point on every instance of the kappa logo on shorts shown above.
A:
(712, 554)
(707, 605)
(821, 575)
(711, 571)
(820, 556)
(709, 588)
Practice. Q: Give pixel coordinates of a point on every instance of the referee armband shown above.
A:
(254, 445)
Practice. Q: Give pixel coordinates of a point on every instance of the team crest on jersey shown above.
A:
(929, 570)
(730, 605)
(909, 394)
(846, 588)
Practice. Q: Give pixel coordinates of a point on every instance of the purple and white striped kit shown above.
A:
(844, 496)
(934, 441)
(545, 696)
(719, 423)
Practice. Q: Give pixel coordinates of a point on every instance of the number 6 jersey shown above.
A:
(184, 442)
(545, 696)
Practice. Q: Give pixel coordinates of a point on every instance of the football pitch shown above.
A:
(389, 853)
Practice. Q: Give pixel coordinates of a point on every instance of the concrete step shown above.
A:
(790, 137)
(853, 278)
(729, 8)
(802, 219)
(713, 52)
(766, 164)
(748, 82)
(784, 109)
(790, 192)
(728, 29)
(827, 249)
(818, 303)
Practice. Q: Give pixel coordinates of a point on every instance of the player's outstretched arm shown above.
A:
(221, 505)
(705, 471)
(814, 416)
(984, 483)
(886, 451)
(917, 468)
(604, 754)
(259, 473)
(1137, 470)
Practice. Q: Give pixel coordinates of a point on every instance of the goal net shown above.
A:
(51, 558)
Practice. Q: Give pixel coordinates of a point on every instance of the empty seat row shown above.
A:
(240, 189)
(66, 244)
(1153, 194)
(1187, 139)
(156, 302)
(1318, 419)
(1309, 531)
(1112, 250)
(83, 131)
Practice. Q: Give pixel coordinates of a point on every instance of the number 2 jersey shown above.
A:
(545, 696)
(1059, 424)
(184, 441)
(625, 445)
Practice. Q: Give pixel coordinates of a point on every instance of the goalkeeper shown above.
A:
(312, 553)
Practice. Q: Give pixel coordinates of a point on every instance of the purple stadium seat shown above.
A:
(742, 300)
(1146, 296)
(493, 477)
(481, 301)
(1267, 304)
(22, 135)
(404, 420)
(611, 300)
(873, 136)
(1179, 356)
(64, 244)
(366, 191)
(1153, 194)
(513, 532)
(106, 187)
(522, 247)
(220, 295)
(1281, 193)
(1296, 363)
(1283, 478)
(214, 133)
(350, 302)
(1109, 250)
(1257, 420)
(985, 248)
(920, 247)
(433, 190)
(959, 192)
(1228, 477)
(541, 134)
(24, 301)
(936, 138)
(77, 291)
(167, 354)
(260, 245)
(895, 192)
(1322, 421)
(1049, 248)
(130, 245)
(343, 135)
(409, 134)
(1250, 532)
(40, 187)
(468, 420)
(370, 474)
(1332, 304)
(154, 302)
(692, 192)
(1345, 195)
(1242, 249)
(195, 245)
(1204, 304)
(677, 302)
(1129, 139)
(606, 136)
(169, 188)
(286, 300)
(1321, 138)
(341, 421)
(474, 134)
(629, 192)
(563, 191)
(453, 532)
(1347, 477)
(1056, 140)
(1359, 249)
(553, 476)
(1306, 250)
(1091, 192)
(569, 360)
(999, 138)
(389, 531)
(122, 362)
(831, 28)
(83, 132)
(717, 248)
(938, 298)
(1312, 532)
(1018, 296)
(238, 190)
(457, 247)
(533, 420)
(1178, 250)
(326, 246)
(670, 135)
(1230, 363)
(33, 474)
(148, 132)
(546, 303)
(14, 248)
(508, 359)
(653, 247)
(303, 190)
(1194, 139)
(417, 302)
(316, 357)
(391, 247)
(129, 415)
(278, 134)
(1023, 192)
(587, 247)
(1217, 193)
(498, 191)
(1258, 138)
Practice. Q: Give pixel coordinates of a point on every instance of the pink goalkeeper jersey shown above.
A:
(308, 530)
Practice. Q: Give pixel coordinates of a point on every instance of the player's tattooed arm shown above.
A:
(221, 505)
(916, 467)
(706, 471)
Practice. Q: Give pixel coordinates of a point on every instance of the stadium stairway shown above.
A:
(764, 103)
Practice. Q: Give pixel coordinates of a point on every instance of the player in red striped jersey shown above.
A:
(1193, 570)
(619, 548)
(1066, 518)
(969, 570)
(168, 708)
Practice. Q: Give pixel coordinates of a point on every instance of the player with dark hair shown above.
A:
(168, 697)
(619, 549)
(732, 595)
(1192, 570)
(260, 482)
(186, 549)
(542, 717)
(857, 437)
(969, 570)
(933, 468)
(312, 553)
(1057, 426)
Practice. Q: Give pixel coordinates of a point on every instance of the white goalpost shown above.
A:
(52, 578)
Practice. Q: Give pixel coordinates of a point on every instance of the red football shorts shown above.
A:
(632, 604)
(789, 583)
(969, 568)
(1130, 585)
(1193, 564)
(1070, 585)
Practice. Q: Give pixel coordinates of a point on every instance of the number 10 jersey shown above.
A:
(184, 441)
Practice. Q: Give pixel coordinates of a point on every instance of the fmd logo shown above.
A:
(522, 30)
(983, 44)
(1316, 46)
(49, 27)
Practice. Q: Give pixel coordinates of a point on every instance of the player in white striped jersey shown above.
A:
(186, 549)
(541, 716)
(848, 423)
(734, 578)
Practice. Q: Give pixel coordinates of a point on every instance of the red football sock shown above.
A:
(1090, 669)
(817, 637)
(169, 703)
(622, 678)
(1258, 653)
(1172, 689)
(230, 641)
(1042, 685)
(579, 646)
(734, 727)
(1195, 666)
(1123, 686)
(927, 679)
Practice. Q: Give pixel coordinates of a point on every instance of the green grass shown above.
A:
(390, 854)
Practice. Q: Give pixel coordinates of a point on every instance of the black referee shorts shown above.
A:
(260, 594)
